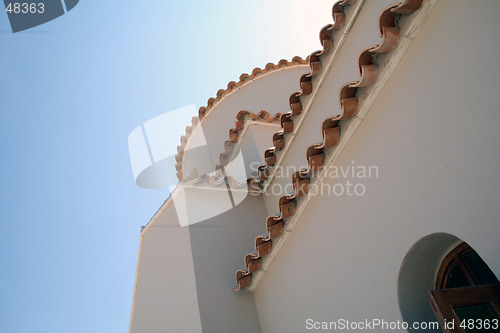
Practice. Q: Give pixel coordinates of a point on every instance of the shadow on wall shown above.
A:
(417, 276)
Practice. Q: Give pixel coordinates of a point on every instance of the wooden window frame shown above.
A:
(455, 256)
(443, 300)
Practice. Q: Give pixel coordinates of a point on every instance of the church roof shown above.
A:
(221, 93)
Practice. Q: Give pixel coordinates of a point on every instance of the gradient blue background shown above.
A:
(71, 92)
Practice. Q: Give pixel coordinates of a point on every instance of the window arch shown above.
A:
(463, 267)
(466, 289)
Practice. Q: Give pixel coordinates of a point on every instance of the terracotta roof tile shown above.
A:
(330, 130)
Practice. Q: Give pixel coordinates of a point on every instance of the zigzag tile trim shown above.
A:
(331, 126)
(219, 179)
(326, 37)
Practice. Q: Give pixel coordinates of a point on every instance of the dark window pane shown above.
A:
(474, 317)
(479, 268)
(457, 278)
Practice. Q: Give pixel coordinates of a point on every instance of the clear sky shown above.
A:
(72, 90)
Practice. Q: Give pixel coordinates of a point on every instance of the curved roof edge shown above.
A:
(221, 93)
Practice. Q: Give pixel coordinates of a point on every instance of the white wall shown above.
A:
(185, 275)
(433, 134)
(165, 293)
(218, 246)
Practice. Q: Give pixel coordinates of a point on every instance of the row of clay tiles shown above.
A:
(242, 118)
(315, 154)
(204, 110)
(295, 105)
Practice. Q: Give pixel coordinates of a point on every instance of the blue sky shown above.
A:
(72, 90)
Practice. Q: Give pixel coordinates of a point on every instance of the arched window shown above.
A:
(467, 295)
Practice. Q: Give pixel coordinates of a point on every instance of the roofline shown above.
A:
(348, 131)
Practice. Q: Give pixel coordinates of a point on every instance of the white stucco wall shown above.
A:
(433, 134)
(165, 292)
(218, 245)
(185, 275)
